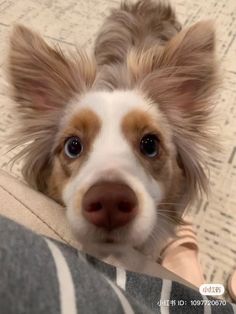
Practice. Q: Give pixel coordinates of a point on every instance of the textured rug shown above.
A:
(75, 22)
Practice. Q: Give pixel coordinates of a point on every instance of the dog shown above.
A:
(119, 137)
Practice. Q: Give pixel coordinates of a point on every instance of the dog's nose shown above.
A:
(109, 205)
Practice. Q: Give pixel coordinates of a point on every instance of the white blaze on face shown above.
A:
(112, 158)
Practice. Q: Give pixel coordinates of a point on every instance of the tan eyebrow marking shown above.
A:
(86, 125)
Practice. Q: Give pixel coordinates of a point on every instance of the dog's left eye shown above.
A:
(73, 147)
(149, 145)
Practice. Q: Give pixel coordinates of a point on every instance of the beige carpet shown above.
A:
(75, 22)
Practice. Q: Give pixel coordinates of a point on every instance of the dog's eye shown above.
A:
(73, 147)
(149, 145)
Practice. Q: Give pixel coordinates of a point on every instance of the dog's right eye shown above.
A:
(73, 147)
(149, 145)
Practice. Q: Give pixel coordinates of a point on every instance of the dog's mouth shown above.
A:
(113, 237)
(109, 240)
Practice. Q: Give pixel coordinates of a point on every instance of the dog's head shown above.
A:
(121, 147)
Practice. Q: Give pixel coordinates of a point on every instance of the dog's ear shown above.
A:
(43, 78)
(181, 78)
(43, 81)
(183, 73)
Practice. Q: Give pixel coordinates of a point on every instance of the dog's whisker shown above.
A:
(177, 204)
(174, 219)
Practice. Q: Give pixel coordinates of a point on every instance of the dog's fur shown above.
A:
(146, 76)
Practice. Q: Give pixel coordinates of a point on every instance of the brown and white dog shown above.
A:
(119, 138)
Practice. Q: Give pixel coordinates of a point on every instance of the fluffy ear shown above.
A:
(181, 78)
(43, 81)
(181, 74)
(43, 78)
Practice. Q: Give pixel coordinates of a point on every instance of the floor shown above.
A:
(75, 22)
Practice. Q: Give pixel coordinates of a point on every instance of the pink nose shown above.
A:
(109, 205)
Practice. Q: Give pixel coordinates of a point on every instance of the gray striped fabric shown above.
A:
(39, 275)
